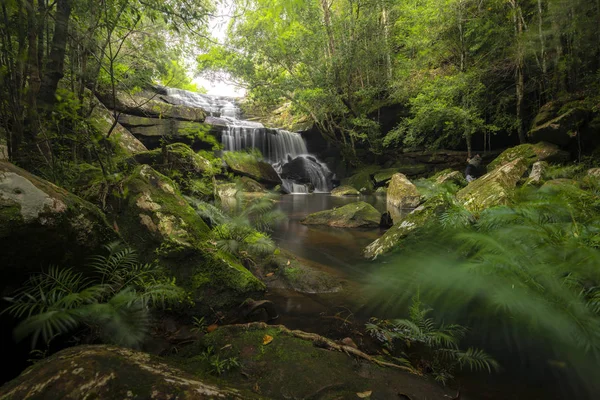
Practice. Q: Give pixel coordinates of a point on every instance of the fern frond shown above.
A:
(477, 359)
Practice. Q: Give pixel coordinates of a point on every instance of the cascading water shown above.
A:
(300, 172)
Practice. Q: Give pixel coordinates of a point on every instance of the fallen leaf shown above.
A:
(288, 263)
(267, 339)
(211, 328)
(364, 395)
(270, 274)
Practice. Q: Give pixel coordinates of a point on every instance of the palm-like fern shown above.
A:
(428, 348)
(113, 303)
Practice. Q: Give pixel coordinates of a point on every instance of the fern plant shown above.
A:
(113, 304)
(424, 347)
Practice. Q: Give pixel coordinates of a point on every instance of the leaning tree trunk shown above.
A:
(54, 70)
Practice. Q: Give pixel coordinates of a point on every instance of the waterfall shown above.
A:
(300, 172)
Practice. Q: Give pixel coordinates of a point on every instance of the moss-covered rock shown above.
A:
(418, 218)
(381, 191)
(354, 215)
(342, 191)
(362, 180)
(153, 214)
(109, 372)
(530, 153)
(41, 224)
(245, 164)
(151, 105)
(178, 156)
(536, 175)
(102, 120)
(285, 270)
(402, 193)
(450, 176)
(249, 185)
(293, 366)
(559, 123)
(494, 188)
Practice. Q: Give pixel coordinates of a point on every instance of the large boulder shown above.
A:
(354, 215)
(41, 224)
(178, 156)
(153, 105)
(362, 180)
(559, 123)
(402, 193)
(449, 176)
(151, 131)
(244, 164)
(538, 170)
(306, 170)
(494, 188)
(530, 153)
(103, 121)
(418, 218)
(160, 223)
(153, 214)
(110, 372)
(342, 191)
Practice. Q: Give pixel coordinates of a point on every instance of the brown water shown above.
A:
(337, 315)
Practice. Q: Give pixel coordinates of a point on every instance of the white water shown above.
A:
(278, 146)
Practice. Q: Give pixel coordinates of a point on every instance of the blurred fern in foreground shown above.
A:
(113, 304)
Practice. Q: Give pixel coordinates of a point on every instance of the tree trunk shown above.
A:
(54, 70)
(542, 50)
(519, 69)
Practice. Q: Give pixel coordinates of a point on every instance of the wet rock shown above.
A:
(354, 215)
(41, 224)
(494, 188)
(109, 372)
(537, 172)
(154, 214)
(245, 164)
(530, 153)
(418, 218)
(402, 193)
(342, 191)
(307, 170)
(103, 120)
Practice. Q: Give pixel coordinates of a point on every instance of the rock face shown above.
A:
(402, 193)
(178, 156)
(342, 191)
(156, 215)
(102, 120)
(531, 153)
(151, 105)
(244, 164)
(109, 372)
(159, 222)
(41, 223)
(419, 217)
(537, 172)
(558, 124)
(494, 188)
(354, 215)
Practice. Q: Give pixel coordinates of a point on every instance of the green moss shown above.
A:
(354, 215)
(341, 191)
(249, 164)
(362, 181)
(531, 153)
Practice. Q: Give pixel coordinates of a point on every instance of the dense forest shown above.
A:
(319, 237)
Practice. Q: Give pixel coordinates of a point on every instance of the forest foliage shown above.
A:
(458, 67)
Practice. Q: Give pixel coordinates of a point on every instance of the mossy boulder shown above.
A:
(153, 214)
(102, 120)
(494, 188)
(245, 164)
(110, 372)
(179, 157)
(559, 123)
(354, 215)
(294, 365)
(362, 180)
(146, 104)
(381, 191)
(449, 176)
(342, 191)
(285, 270)
(536, 175)
(530, 153)
(418, 218)
(402, 193)
(384, 175)
(249, 185)
(41, 224)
